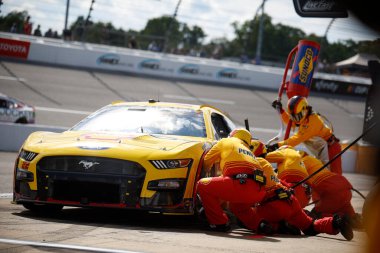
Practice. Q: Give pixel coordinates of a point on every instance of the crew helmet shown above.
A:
(285, 147)
(297, 108)
(242, 134)
(258, 148)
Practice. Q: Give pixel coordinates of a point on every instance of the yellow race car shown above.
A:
(129, 155)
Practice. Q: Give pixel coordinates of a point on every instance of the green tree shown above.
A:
(192, 37)
(14, 17)
(370, 47)
(278, 40)
(164, 27)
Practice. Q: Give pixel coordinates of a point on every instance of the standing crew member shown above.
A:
(333, 190)
(290, 168)
(240, 183)
(313, 131)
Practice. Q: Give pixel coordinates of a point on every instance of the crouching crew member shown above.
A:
(241, 182)
(333, 191)
(290, 168)
(280, 205)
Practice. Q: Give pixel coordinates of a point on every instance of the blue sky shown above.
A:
(215, 17)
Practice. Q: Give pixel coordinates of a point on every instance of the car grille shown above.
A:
(89, 180)
(93, 165)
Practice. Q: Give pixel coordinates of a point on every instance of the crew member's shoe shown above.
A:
(265, 228)
(287, 229)
(220, 227)
(343, 225)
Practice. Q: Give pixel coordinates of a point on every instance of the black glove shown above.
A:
(290, 191)
(272, 147)
(277, 105)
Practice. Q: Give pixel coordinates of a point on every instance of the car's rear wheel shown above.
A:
(43, 208)
(21, 121)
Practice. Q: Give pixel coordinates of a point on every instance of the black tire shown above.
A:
(43, 208)
(21, 121)
(199, 211)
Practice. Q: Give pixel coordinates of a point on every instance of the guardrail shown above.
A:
(12, 135)
(93, 56)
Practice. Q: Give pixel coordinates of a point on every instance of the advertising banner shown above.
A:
(14, 48)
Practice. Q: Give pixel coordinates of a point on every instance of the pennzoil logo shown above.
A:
(306, 65)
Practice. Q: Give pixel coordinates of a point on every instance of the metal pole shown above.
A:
(328, 28)
(168, 31)
(260, 36)
(67, 13)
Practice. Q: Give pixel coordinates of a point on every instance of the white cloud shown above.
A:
(215, 17)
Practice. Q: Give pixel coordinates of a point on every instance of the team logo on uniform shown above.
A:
(205, 180)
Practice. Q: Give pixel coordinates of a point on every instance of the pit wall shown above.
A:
(142, 62)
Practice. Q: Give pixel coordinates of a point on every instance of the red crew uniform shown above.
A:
(235, 159)
(274, 210)
(334, 191)
(291, 169)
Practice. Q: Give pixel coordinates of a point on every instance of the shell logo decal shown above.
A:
(205, 180)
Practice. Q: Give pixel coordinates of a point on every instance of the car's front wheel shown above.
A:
(43, 208)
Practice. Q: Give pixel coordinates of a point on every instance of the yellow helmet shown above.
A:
(242, 134)
(258, 148)
(297, 108)
(285, 147)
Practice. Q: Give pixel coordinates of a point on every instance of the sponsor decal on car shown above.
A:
(14, 48)
(93, 146)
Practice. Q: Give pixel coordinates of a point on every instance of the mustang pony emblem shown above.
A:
(87, 165)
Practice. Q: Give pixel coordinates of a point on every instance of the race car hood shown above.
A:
(69, 140)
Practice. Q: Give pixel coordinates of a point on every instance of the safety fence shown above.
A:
(102, 57)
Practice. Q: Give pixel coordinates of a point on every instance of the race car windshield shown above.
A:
(151, 120)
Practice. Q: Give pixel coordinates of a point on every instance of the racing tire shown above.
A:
(21, 121)
(199, 210)
(43, 208)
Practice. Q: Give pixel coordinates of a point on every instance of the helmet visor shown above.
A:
(297, 117)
